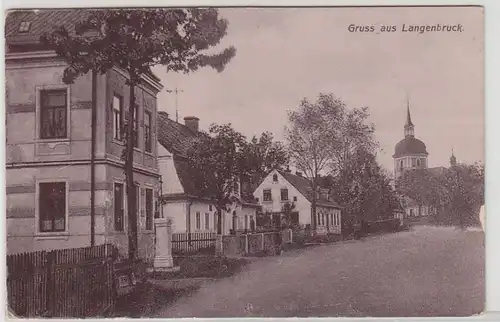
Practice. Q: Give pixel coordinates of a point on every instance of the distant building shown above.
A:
(281, 187)
(48, 143)
(190, 209)
(409, 154)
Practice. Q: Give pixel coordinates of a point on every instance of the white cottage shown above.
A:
(281, 187)
(188, 208)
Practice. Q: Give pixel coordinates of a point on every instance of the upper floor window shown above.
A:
(267, 195)
(136, 126)
(148, 143)
(275, 177)
(117, 117)
(53, 114)
(52, 206)
(284, 194)
(24, 26)
(294, 198)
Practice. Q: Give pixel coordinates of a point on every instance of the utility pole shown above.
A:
(176, 91)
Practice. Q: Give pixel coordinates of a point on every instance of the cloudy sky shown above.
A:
(286, 54)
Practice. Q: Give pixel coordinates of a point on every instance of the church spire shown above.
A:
(409, 127)
(453, 159)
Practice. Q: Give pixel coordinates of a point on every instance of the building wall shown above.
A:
(30, 159)
(171, 183)
(418, 161)
(328, 220)
(302, 205)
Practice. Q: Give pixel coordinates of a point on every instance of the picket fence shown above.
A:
(198, 242)
(77, 282)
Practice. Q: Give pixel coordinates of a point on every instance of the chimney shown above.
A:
(298, 173)
(192, 122)
(163, 113)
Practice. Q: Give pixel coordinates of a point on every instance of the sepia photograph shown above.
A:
(217, 162)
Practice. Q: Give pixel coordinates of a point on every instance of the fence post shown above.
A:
(262, 244)
(49, 290)
(291, 236)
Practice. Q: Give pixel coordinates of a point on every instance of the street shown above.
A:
(424, 272)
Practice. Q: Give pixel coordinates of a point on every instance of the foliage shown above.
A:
(323, 137)
(456, 192)
(135, 40)
(363, 188)
(261, 156)
(217, 162)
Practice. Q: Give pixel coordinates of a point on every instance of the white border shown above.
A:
(492, 114)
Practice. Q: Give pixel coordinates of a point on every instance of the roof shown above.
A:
(303, 186)
(176, 138)
(42, 21)
(409, 146)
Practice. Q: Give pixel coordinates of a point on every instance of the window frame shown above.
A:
(124, 210)
(38, 231)
(148, 131)
(197, 221)
(264, 195)
(117, 128)
(207, 221)
(38, 111)
(151, 204)
(287, 195)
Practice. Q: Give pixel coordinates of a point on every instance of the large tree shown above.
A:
(262, 154)
(216, 164)
(135, 40)
(323, 136)
(364, 188)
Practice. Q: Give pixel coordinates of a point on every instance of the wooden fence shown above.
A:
(76, 282)
(253, 244)
(199, 242)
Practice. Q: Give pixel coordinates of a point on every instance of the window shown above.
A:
(284, 194)
(207, 221)
(198, 220)
(118, 200)
(210, 208)
(275, 178)
(267, 195)
(52, 206)
(148, 146)
(149, 209)
(117, 117)
(24, 26)
(53, 114)
(136, 126)
(401, 164)
(413, 162)
(246, 222)
(215, 220)
(295, 198)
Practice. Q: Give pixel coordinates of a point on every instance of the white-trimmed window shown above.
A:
(117, 117)
(53, 113)
(149, 209)
(52, 206)
(267, 196)
(198, 220)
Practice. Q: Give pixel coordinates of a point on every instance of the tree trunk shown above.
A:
(219, 221)
(129, 175)
(313, 208)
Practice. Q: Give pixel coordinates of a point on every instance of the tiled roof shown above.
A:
(43, 21)
(176, 138)
(302, 184)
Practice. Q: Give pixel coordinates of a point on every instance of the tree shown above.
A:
(263, 155)
(136, 40)
(456, 192)
(364, 188)
(322, 137)
(217, 163)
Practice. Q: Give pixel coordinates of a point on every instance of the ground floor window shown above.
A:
(198, 220)
(149, 209)
(118, 206)
(52, 206)
(207, 221)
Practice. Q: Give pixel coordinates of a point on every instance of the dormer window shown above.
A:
(25, 26)
(275, 177)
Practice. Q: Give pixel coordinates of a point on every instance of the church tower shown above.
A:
(453, 160)
(410, 152)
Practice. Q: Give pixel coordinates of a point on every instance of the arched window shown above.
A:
(275, 177)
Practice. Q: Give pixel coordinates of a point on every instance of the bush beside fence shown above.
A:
(253, 244)
(76, 282)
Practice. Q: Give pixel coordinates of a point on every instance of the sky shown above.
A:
(287, 54)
